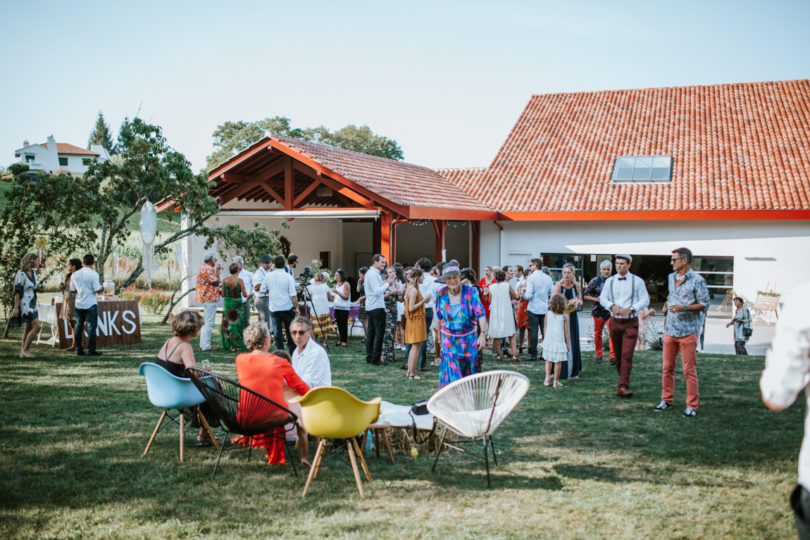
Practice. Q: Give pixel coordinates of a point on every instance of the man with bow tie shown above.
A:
(624, 294)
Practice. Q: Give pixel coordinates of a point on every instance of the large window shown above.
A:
(29, 158)
(630, 169)
(63, 162)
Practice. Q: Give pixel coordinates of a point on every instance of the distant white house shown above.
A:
(53, 156)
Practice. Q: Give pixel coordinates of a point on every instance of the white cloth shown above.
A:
(258, 279)
(280, 287)
(538, 291)
(312, 365)
(209, 317)
(320, 302)
(86, 284)
(429, 287)
(625, 293)
(375, 289)
(787, 366)
(554, 347)
(247, 279)
(339, 302)
(501, 314)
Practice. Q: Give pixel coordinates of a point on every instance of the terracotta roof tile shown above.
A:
(402, 183)
(66, 148)
(734, 147)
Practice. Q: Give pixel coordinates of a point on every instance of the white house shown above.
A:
(53, 156)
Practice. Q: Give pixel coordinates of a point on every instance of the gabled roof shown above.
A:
(409, 190)
(61, 148)
(734, 147)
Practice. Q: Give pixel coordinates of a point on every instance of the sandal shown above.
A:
(515, 358)
(547, 382)
(497, 357)
(558, 384)
(416, 377)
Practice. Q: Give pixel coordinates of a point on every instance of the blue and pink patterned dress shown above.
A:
(459, 324)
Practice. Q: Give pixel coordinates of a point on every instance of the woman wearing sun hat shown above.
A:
(460, 314)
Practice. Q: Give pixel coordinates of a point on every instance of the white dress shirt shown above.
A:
(258, 279)
(86, 284)
(375, 289)
(429, 287)
(787, 366)
(312, 365)
(538, 291)
(625, 293)
(247, 279)
(280, 287)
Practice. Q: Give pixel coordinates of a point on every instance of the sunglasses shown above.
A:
(298, 332)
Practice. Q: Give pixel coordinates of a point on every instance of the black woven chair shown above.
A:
(241, 411)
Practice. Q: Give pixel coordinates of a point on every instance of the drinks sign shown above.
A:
(119, 323)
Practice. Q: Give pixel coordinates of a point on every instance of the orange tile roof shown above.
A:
(66, 148)
(734, 147)
(402, 183)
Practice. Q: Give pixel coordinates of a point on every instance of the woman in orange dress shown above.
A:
(415, 323)
(265, 374)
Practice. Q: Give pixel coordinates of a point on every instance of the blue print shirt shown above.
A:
(692, 291)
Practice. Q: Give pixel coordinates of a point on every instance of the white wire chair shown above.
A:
(476, 405)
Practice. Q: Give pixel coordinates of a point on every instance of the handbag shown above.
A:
(747, 331)
(420, 407)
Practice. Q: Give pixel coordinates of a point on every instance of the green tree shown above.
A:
(101, 134)
(232, 137)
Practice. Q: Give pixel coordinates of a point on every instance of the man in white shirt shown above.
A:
(310, 362)
(86, 284)
(787, 372)
(283, 301)
(375, 288)
(260, 299)
(624, 295)
(538, 291)
(247, 279)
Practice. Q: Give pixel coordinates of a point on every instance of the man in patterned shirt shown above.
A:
(207, 290)
(688, 298)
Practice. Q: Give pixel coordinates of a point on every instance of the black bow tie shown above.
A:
(622, 278)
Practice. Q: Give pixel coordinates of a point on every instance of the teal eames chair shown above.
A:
(166, 392)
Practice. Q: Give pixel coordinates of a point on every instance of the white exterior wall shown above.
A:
(47, 159)
(785, 245)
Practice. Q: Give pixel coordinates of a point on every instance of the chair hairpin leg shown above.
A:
(492, 445)
(224, 443)
(354, 469)
(204, 424)
(486, 460)
(182, 435)
(361, 458)
(313, 471)
(439, 451)
(288, 454)
(154, 433)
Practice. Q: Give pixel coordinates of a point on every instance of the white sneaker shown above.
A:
(663, 406)
(690, 412)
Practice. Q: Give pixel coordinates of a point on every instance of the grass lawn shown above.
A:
(576, 462)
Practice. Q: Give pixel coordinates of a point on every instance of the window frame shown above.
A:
(66, 163)
(634, 172)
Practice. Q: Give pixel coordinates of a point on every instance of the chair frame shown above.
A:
(165, 414)
(207, 392)
(489, 443)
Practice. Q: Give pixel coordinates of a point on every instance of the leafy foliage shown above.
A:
(101, 135)
(232, 137)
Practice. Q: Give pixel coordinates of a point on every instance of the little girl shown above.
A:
(643, 325)
(556, 341)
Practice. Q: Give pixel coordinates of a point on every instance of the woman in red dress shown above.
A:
(265, 374)
(483, 285)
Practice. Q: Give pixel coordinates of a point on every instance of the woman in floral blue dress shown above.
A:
(460, 314)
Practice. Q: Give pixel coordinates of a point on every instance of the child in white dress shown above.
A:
(556, 341)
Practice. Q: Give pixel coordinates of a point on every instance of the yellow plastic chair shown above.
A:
(329, 412)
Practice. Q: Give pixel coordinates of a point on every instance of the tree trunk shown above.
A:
(174, 303)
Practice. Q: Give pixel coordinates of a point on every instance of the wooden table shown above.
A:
(378, 429)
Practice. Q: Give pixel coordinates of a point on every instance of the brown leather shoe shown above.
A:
(623, 391)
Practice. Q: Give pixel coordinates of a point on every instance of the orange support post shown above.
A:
(440, 228)
(386, 245)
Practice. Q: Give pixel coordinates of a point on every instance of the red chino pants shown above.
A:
(624, 334)
(687, 346)
(598, 327)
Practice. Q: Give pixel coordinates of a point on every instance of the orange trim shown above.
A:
(235, 160)
(385, 236)
(657, 215)
(317, 167)
(449, 214)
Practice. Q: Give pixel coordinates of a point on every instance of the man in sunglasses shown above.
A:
(688, 299)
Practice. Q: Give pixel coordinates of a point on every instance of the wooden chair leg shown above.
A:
(376, 441)
(318, 467)
(182, 435)
(362, 459)
(204, 424)
(387, 446)
(154, 433)
(354, 469)
(363, 443)
(313, 471)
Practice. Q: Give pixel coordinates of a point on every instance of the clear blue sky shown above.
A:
(447, 80)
